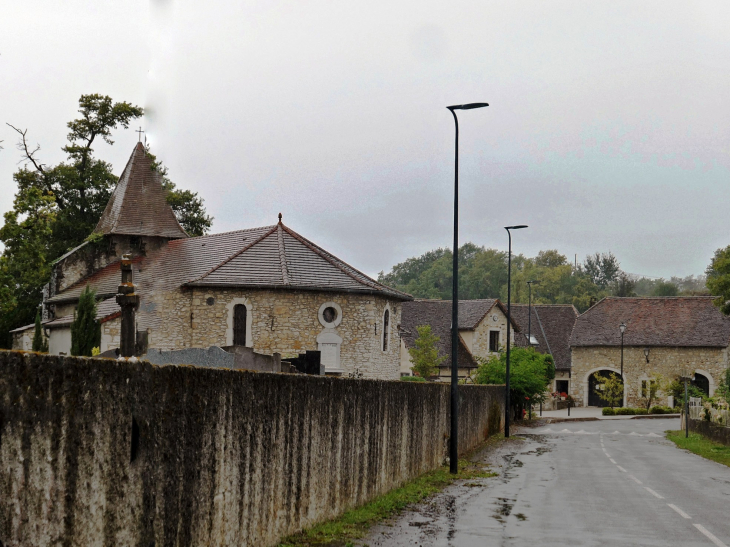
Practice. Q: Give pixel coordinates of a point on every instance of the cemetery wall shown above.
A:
(106, 452)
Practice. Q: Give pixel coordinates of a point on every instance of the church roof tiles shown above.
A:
(138, 205)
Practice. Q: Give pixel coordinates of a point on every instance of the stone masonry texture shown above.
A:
(105, 452)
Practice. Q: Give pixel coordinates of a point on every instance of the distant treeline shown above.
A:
(483, 274)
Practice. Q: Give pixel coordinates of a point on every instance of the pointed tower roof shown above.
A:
(138, 206)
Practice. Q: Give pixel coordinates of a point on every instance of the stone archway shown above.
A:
(591, 384)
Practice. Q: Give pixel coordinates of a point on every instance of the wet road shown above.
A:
(584, 483)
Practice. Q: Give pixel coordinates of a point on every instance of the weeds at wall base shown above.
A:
(356, 523)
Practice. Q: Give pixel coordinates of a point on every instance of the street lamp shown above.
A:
(622, 328)
(454, 438)
(529, 311)
(509, 321)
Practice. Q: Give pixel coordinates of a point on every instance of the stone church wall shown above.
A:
(284, 322)
(480, 344)
(107, 452)
(667, 361)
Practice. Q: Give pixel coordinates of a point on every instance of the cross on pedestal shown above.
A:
(139, 131)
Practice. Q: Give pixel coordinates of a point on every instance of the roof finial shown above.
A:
(279, 218)
(140, 131)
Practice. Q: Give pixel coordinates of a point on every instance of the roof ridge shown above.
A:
(547, 343)
(282, 254)
(230, 232)
(234, 255)
(337, 263)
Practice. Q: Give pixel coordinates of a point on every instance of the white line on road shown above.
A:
(653, 493)
(607, 454)
(709, 535)
(635, 479)
(612, 460)
(678, 510)
(621, 469)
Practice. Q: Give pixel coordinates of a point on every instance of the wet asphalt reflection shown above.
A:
(585, 483)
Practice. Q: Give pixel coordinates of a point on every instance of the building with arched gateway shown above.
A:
(665, 336)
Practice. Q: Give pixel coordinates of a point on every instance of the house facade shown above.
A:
(482, 332)
(268, 288)
(668, 336)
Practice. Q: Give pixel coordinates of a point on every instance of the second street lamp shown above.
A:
(509, 321)
(454, 436)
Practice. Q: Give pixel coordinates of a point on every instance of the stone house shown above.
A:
(268, 288)
(666, 336)
(482, 331)
(551, 327)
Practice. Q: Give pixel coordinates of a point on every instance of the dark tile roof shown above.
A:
(552, 326)
(268, 257)
(281, 258)
(105, 310)
(138, 205)
(437, 314)
(681, 321)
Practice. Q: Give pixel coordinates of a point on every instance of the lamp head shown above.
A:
(517, 227)
(468, 106)
(622, 327)
(533, 281)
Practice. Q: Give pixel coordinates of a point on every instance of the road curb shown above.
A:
(654, 416)
(611, 418)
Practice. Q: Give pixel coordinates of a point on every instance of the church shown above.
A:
(267, 288)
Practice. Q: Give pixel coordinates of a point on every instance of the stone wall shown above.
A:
(284, 322)
(717, 433)
(480, 344)
(667, 361)
(105, 452)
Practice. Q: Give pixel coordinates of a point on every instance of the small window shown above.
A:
(239, 325)
(329, 314)
(386, 320)
(493, 340)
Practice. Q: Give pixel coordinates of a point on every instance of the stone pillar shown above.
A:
(128, 300)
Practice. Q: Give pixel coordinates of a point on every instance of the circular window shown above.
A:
(210, 301)
(329, 314)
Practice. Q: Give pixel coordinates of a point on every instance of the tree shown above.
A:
(39, 342)
(718, 279)
(610, 389)
(85, 329)
(602, 268)
(650, 388)
(665, 288)
(623, 286)
(57, 207)
(530, 374)
(424, 354)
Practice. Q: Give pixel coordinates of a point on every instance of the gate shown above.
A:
(594, 386)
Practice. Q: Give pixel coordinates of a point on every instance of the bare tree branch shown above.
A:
(23, 147)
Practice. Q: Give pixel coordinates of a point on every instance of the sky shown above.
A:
(608, 127)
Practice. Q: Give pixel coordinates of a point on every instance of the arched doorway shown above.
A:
(702, 382)
(594, 386)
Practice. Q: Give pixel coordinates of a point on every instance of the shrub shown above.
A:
(661, 410)
(608, 411)
(412, 379)
(623, 411)
(640, 411)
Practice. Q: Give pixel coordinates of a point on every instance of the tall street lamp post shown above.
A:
(509, 323)
(622, 328)
(454, 438)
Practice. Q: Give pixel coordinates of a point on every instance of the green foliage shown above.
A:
(530, 374)
(624, 411)
(702, 446)
(85, 330)
(661, 410)
(665, 288)
(424, 354)
(622, 286)
(718, 279)
(650, 388)
(676, 389)
(640, 411)
(602, 268)
(613, 389)
(39, 342)
(412, 379)
(608, 411)
(483, 274)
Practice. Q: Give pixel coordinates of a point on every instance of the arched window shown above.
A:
(239, 325)
(386, 332)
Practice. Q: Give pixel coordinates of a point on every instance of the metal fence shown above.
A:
(698, 411)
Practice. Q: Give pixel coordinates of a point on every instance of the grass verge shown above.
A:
(702, 446)
(355, 524)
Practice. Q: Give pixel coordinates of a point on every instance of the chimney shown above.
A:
(128, 300)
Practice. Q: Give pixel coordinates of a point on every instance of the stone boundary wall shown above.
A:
(104, 452)
(712, 431)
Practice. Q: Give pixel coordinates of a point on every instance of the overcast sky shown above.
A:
(608, 126)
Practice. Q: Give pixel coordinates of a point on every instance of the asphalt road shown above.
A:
(583, 483)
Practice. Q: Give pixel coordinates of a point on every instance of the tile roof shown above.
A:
(105, 310)
(437, 314)
(267, 257)
(281, 258)
(552, 326)
(138, 205)
(682, 321)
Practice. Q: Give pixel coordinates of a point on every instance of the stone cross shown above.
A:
(128, 300)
